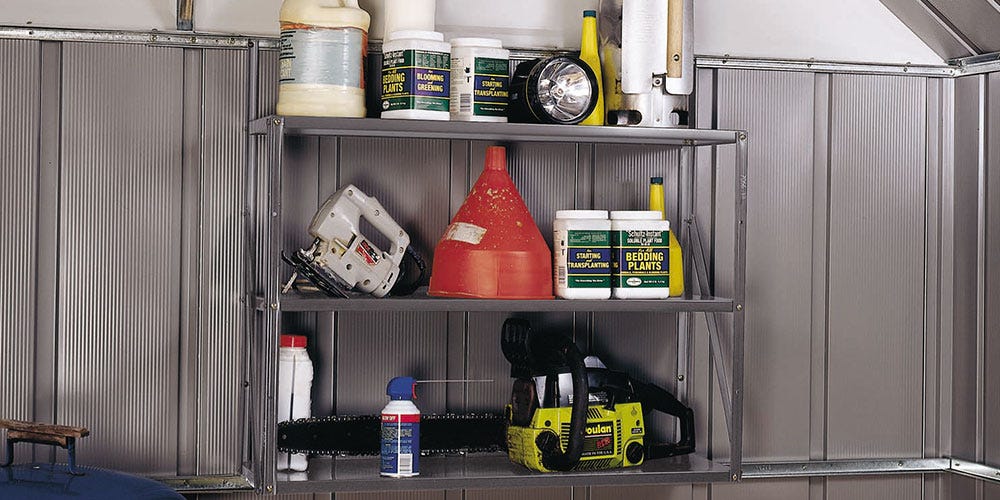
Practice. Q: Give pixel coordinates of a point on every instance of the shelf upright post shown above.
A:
(269, 285)
(249, 214)
(739, 299)
(685, 203)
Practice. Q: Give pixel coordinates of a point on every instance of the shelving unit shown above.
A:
(265, 273)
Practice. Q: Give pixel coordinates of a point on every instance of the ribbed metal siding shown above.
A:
(520, 494)
(395, 495)
(221, 261)
(19, 80)
(374, 347)
(762, 490)
(966, 270)
(267, 82)
(658, 492)
(875, 488)
(777, 110)
(119, 250)
(876, 262)
(992, 354)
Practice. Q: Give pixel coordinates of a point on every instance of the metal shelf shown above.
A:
(491, 470)
(508, 132)
(420, 301)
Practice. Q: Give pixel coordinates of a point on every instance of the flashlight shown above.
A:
(560, 90)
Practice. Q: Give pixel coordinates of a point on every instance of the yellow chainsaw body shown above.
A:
(609, 434)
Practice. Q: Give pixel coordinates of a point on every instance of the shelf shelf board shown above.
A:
(504, 132)
(479, 471)
(420, 301)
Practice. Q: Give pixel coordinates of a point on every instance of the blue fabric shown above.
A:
(44, 481)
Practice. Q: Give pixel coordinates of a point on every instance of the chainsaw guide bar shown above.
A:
(360, 435)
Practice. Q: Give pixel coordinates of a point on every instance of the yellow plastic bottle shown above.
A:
(589, 55)
(324, 44)
(656, 202)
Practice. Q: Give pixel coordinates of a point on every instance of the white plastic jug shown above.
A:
(323, 48)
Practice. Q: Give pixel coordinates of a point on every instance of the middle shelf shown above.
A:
(419, 301)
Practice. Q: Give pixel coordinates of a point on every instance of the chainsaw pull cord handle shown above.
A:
(657, 398)
(553, 458)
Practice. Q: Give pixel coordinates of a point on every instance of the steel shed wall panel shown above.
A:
(120, 253)
(966, 215)
(991, 425)
(777, 111)
(876, 262)
(875, 488)
(221, 262)
(520, 494)
(20, 78)
(796, 489)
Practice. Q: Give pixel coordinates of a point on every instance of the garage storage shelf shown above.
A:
(265, 272)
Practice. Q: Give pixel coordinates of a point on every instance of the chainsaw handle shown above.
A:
(552, 457)
(658, 398)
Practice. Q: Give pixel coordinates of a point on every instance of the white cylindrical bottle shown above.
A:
(640, 264)
(295, 374)
(404, 15)
(400, 430)
(416, 70)
(321, 63)
(582, 256)
(480, 76)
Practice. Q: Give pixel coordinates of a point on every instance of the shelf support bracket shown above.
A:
(701, 277)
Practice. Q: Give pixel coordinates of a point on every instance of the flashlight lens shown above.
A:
(564, 90)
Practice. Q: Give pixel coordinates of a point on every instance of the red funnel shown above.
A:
(492, 249)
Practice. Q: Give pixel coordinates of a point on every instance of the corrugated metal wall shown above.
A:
(840, 360)
(112, 180)
(20, 75)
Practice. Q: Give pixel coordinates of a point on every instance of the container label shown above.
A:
(416, 79)
(465, 232)
(599, 439)
(482, 89)
(400, 444)
(324, 56)
(640, 259)
(584, 259)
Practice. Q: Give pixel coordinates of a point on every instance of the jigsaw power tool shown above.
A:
(568, 412)
(341, 259)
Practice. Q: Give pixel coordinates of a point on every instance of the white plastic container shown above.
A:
(323, 48)
(295, 374)
(640, 260)
(408, 15)
(582, 256)
(400, 450)
(480, 77)
(416, 70)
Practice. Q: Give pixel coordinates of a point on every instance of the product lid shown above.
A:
(590, 13)
(477, 42)
(402, 388)
(636, 215)
(433, 36)
(582, 214)
(656, 180)
(293, 340)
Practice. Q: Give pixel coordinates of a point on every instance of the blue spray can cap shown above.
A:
(401, 388)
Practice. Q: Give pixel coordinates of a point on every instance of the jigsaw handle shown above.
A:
(377, 216)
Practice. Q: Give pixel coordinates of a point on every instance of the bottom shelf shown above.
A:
(487, 470)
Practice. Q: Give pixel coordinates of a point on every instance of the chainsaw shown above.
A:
(568, 412)
(342, 260)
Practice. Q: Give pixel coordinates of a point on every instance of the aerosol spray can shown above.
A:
(401, 430)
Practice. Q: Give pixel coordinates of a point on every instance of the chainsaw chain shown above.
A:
(484, 418)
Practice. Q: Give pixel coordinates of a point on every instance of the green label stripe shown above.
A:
(416, 102)
(491, 66)
(591, 239)
(660, 239)
(491, 109)
(416, 59)
(644, 282)
(589, 281)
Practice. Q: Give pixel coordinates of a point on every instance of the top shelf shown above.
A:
(512, 132)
